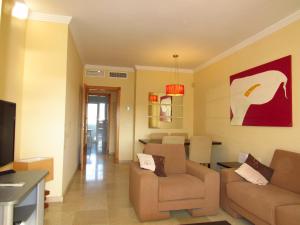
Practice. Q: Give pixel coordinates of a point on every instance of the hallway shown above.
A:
(100, 197)
(98, 123)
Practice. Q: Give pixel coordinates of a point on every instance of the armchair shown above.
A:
(188, 185)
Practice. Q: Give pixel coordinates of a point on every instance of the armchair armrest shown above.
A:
(143, 193)
(228, 176)
(211, 180)
(200, 171)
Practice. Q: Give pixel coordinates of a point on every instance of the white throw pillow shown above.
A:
(146, 161)
(251, 174)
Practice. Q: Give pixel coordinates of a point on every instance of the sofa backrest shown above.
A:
(286, 167)
(174, 156)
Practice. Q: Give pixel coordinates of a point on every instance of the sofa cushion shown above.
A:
(288, 214)
(251, 175)
(267, 172)
(159, 165)
(286, 167)
(180, 186)
(174, 156)
(260, 200)
(146, 161)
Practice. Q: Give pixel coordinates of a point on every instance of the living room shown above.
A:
(44, 59)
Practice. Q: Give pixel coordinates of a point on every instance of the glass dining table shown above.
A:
(186, 144)
(158, 141)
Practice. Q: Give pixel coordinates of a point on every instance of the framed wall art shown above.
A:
(262, 96)
(166, 108)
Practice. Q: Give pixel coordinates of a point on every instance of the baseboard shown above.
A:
(68, 186)
(55, 199)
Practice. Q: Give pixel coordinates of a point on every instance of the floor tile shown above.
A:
(90, 217)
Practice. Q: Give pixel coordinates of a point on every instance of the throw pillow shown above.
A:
(154, 163)
(159, 165)
(267, 172)
(251, 175)
(146, 161)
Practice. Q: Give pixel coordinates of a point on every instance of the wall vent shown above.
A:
(122, 75)
(94, 73)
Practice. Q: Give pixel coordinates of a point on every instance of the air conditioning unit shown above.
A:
(95, 72)
(121, 75)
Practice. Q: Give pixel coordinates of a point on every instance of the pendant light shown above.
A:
(153, 98)
(175, 89)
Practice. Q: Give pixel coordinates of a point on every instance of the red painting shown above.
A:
(262, 96)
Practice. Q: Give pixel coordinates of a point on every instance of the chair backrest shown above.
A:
(186, 135)
(200, 149)
(286, 166)
(157, 135)
(173, 140)
(174, 156)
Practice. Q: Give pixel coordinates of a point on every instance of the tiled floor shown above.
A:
(101, 197)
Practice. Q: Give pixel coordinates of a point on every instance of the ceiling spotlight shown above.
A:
(20, 11)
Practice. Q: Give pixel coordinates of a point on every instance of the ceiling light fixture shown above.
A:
(20, 10)
(175, 89)
(153, 98)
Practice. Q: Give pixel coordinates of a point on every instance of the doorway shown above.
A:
(100, 130)
(98, 124)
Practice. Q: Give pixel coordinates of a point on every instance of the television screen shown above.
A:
(7, 132)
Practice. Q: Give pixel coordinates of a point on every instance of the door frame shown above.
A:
(89, 90)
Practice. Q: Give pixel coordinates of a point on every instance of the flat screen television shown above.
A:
(7, 132)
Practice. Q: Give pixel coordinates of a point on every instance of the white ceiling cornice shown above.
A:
(49, 18)
(110, 68)
(264, 33)
(161, 69)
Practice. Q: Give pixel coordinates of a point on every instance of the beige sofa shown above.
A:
(277, 203)
(188, 185)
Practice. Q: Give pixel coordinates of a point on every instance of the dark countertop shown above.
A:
(229, 164)
(14, 195)
(158, 141)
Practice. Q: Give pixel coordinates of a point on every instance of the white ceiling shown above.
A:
(148, 32)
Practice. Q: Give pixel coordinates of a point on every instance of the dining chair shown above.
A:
(157, 135)
(186, 135)
(173, 140)
(200, 149)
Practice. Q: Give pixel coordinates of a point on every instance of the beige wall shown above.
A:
(12, 48)
(44, 96)
(72, 113)
(155, 81)
(126, 117)
(212, 103)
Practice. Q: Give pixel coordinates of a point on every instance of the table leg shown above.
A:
(6, 215)
(40, 203)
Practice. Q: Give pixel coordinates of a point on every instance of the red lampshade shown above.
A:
(153, 98)
(175, 89)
